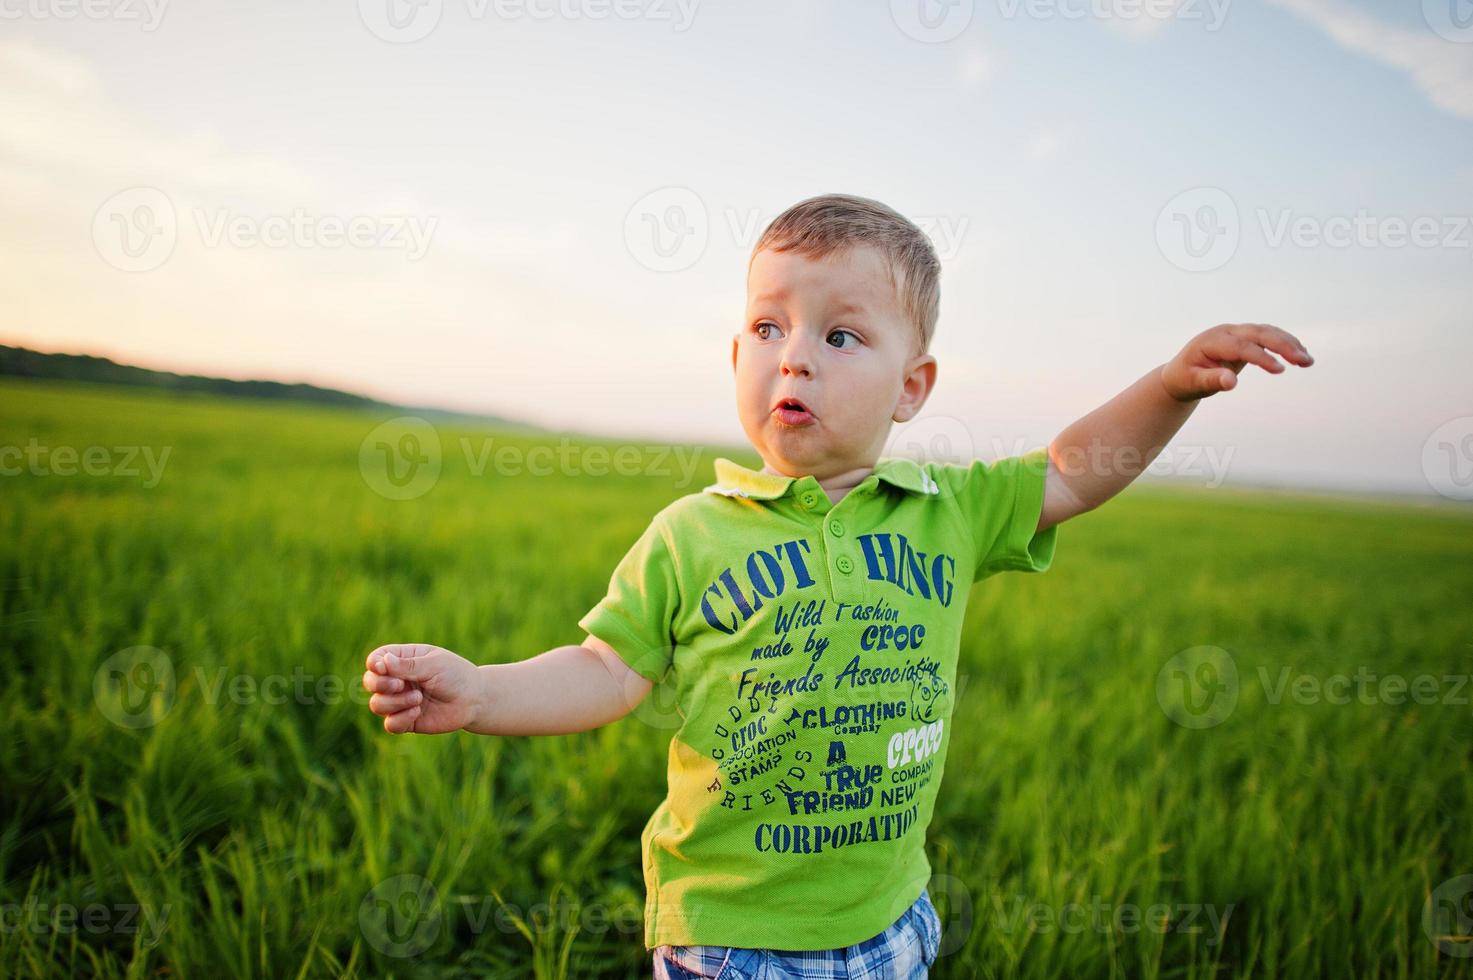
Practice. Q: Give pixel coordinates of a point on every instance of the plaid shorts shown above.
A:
(905, 951)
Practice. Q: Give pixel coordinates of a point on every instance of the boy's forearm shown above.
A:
(1099, 455)
(564, 690)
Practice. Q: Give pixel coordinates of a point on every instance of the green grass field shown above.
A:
(193, 785)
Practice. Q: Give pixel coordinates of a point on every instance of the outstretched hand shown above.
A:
(1210, 361)
(421, 688)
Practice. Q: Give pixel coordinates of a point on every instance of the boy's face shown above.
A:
(830, 333)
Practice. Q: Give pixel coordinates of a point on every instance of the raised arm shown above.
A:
(1098, 456)
(427, 689)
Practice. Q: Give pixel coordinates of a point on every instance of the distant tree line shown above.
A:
(25, 363)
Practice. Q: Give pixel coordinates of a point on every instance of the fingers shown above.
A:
(1233, 350)
(390, 674)
(402, 721)
(1250, 352)
(381, 683)
(1271, 337)
(396, 660)
(388, 704)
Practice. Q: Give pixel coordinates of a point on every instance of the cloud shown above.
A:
(978, 68)
(1442, 69)
(1048, 143)
(253, 303)
(59, 117)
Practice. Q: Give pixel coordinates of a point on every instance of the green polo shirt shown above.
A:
(811, 648)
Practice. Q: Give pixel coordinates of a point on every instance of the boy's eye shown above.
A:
(766, 330)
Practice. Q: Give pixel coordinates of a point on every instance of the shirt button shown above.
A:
(836, 528)
(809, 498)
(844, 564)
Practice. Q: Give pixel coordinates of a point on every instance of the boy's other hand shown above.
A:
(420, 688)
(1210, 361)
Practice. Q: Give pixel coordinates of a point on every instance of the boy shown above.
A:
(808, 614)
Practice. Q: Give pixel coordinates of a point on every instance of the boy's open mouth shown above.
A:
(792, 411)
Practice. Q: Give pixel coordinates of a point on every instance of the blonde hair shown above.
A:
(829, 223)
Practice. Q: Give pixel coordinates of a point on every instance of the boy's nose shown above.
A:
(797, 366)
(797, 358)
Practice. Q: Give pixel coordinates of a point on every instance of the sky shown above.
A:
(543, 209)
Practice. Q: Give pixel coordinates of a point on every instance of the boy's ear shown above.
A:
(920, 378)
(734, 339)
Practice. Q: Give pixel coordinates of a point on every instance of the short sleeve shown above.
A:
(637, 615)
(1001, 501)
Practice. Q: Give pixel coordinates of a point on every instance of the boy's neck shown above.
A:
(835, 486)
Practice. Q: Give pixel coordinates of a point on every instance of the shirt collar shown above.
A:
(735, 480)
